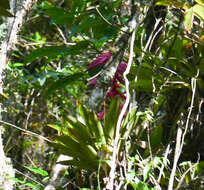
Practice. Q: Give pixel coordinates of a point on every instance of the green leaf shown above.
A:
(80, 164)
(37, 171)
(188, 19)
(59, 15)
(4, 12)
(23, 182)
(59, 128)
(79, 132)
(201, 2)
(92, 123)
(111, 119)
(77, 150)
(4, 4)
(140, 186)
(50, 51)
(199, 11)
(146, 171)
(163, 3)
(63, 82)
(16, 180)
(156, 136)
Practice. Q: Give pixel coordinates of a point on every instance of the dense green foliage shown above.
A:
(49, 90)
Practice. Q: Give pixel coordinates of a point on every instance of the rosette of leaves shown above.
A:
(87, 142)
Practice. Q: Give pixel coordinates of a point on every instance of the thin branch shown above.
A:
(180, 138)
(125, 106)
(26, 131)
(29, 178)
(183, 176)
(105, 20)
(103, 17)
(176, 158)
(162, 167)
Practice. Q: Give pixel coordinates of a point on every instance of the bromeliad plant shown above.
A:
(89, 142)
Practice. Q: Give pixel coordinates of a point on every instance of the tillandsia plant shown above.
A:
(89, 141)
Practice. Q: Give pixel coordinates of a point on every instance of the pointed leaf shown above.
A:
(59, 128)
(51, 52)
(4, 12)
(79, 131)
(79, 150)
(63, 81)
(156, 136)
(59, 15)
(93, 123)
(37, 171)
(188, 19)
(199, 11)
(4, 4)
(201, 2)
(112, 118)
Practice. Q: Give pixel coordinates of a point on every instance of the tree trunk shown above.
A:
(10, 28)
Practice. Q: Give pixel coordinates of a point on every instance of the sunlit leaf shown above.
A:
(37, 171)
(188, 19)
(199, 11)
(146, 171)
(201, 2)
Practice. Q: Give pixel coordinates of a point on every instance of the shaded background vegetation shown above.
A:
(46, 91)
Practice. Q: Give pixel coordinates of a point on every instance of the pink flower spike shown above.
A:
(112, 92)
(101, 59)
(101, 115)
(92, 82)
(118, 77)
(121, 67)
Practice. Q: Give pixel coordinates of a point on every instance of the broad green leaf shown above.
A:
(199, 11)
(156, 136)
(201, 2)
(59, 15)
(188, 19)
(4, 4)
(97, 127)
(4, 12)
(63, 81)
(50, 51)
(78, 150)
(111, 119)
(59, 128)
(92, 123)
(79, 132)
(37, 171)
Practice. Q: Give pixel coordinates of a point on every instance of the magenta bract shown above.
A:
(101, 59)
(121, 67)
(101, 115)
(92, 82)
